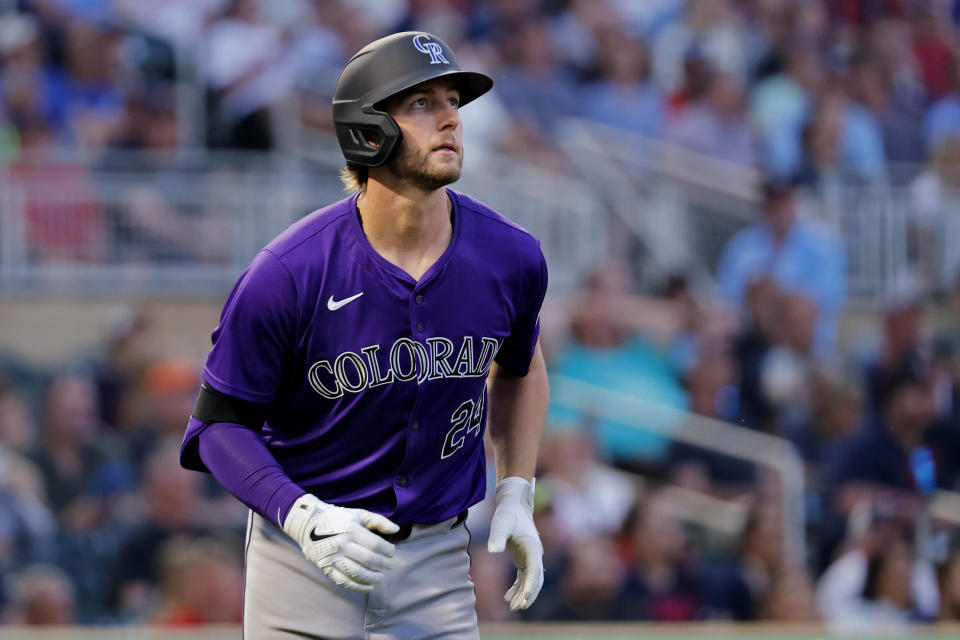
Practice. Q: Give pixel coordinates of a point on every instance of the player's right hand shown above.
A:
(342, 541)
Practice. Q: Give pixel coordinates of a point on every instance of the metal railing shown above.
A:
(763, 450)
(682, 206)
(191, 224)
(177, 230)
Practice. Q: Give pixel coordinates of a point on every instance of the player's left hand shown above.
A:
(512, 528)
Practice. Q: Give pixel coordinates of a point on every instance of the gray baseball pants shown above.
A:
(427, 595)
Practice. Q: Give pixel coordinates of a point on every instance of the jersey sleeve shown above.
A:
(517, 350)
(253, 344)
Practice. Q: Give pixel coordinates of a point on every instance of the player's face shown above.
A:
(430, 155)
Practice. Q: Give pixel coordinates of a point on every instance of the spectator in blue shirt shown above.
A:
(717, 124)
(898, 110)
(533, 86)
(942, 122)
(795, 254)
(624, 95)
(781, 104)
(843, 140)
(862, 151)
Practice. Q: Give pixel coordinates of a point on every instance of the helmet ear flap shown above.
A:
(368, 138)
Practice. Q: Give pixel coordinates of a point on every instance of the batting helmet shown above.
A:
(384, 68)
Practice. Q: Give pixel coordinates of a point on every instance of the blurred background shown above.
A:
(751, 213)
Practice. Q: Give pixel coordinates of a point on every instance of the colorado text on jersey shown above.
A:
(408, 360)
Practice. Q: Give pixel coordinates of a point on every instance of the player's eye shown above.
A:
(454, 102)
(420, 102)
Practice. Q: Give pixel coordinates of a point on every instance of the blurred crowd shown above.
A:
(705, 534)
(98, 524)
(818, 92)
(818, 89)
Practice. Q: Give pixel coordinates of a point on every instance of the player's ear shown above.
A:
(372, 138)
(364, 137)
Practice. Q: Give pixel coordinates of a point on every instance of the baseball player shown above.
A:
(357, 362)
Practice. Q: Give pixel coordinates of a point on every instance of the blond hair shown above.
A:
(354, 178)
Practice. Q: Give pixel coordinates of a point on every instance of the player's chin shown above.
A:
(446, 173)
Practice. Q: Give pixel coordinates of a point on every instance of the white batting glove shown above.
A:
(342, 541)
(512, 527)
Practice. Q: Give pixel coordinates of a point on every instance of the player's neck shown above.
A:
(409, 228)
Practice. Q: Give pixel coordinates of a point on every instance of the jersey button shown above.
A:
(402, 481)
(419, 299)
(420, 326)
(415, 424)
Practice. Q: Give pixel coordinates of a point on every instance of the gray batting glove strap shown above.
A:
(512, 528)
(342, 541)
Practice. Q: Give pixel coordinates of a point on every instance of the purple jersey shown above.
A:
(375, 381)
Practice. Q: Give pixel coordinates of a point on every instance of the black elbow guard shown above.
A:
(213, 406)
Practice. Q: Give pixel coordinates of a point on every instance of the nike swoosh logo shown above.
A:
(317, 537)
(333, 305)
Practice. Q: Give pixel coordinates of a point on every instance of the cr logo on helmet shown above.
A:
(432, 49)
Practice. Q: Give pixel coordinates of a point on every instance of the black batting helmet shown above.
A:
(384, 68)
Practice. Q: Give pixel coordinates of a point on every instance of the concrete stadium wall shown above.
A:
(45, 330)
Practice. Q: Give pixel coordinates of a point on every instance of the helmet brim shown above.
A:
(471, 85)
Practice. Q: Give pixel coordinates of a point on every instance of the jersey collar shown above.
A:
(394, 270)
